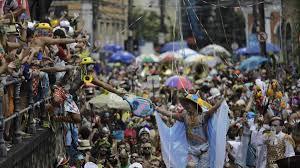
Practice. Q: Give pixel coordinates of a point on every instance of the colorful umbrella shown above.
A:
(122, 56)
(208, 60)
(179, 82)
(173, 46)
(252, 63)
(187, 52)
(147, 58)
(170, 56)
(215, 50)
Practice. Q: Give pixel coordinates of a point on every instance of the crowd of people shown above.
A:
(55, 54)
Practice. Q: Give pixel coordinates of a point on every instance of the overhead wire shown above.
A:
(194, 37)
(201, 6)
(223, 26)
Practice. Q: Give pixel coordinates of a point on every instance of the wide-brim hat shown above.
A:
(275, 118)
(194, 99)
(84, 145)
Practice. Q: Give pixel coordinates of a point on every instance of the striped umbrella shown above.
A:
(179, 82)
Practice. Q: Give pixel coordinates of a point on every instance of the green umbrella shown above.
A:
(148, 58)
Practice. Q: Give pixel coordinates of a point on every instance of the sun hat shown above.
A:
(84, 145)
(194, 98)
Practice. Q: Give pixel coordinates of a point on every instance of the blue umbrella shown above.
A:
(173, 46)
(271, 48)
(113, 48)
(122, 56)
(252, 63)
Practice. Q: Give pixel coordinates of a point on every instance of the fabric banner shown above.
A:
(217, 130)
(174, 144)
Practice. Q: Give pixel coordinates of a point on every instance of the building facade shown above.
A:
(112, 21)
(291, 30)
(282, 26)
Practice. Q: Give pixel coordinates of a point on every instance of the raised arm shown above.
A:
(248, 107)
(212, 110)
(106, 86)
(54, 69)
(14, 14)
(52, 41)
(176, 116)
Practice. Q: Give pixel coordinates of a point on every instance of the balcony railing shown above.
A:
(34, 109)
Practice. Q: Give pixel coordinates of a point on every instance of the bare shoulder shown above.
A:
(289, 139)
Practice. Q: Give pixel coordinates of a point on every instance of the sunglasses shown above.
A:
(147, 148)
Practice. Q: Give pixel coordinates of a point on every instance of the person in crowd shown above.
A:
(196, 121)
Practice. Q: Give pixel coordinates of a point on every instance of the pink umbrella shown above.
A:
(179, 82)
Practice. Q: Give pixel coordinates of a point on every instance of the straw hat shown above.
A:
(84, 145)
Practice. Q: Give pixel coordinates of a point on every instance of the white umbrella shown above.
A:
(208, 60)
(215, 50)
(187, 52)
(170, 56)
(110, 100)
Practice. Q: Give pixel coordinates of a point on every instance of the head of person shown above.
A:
(104, 148)
(155, 162)
(105, 132)
(59, 95)
(113, 159)
(144, 135)
(190, 104)
(276, 124)
(133, 157)
(43, 30)
(123, 145)
(59, 33)
(123, 157)
(146, 149)
(130, 136)
(106, 117)
(84, 132)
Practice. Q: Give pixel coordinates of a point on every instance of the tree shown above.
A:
(148, 26)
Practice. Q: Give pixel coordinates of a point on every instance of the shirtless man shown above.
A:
(196, 121)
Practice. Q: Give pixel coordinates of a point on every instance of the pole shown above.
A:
(130, 20)
(162, 15)
(153, 96)
(254, 8)
(261, 7)
(95, 6)
(162, 21)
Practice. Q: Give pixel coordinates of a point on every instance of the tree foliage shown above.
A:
(148, 26)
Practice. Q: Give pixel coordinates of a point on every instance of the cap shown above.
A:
(135, 165)
(90, 165)
(250, 115)
(144, 130)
